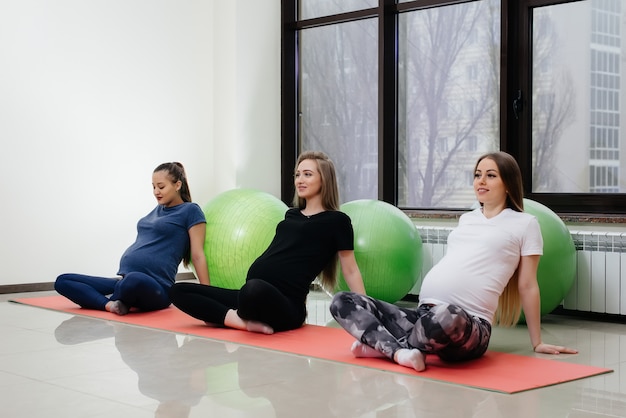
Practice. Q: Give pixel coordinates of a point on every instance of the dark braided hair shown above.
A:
(176, 172)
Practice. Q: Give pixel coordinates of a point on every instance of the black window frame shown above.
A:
(515, 82)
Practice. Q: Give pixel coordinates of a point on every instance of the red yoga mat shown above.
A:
(500, 372)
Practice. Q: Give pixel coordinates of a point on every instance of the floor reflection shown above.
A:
(58, 365)
(172, 374)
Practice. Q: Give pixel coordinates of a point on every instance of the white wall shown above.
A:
(96, 93)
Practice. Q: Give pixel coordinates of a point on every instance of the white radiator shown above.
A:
(600, 282)
(434, 242)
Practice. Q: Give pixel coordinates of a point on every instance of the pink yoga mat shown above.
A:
(501, 372)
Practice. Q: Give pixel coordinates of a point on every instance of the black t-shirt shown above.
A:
(300, 250)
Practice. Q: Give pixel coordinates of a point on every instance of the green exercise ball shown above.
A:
(557, 266)
(240, 225)
(387, 248)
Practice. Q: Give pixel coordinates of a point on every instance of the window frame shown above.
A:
(515, 78)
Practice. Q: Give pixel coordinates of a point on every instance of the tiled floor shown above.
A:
(58, 365)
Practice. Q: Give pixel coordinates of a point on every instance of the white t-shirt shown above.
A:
(482, 255)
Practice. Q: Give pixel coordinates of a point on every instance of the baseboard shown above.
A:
(42, 287)
(590, 316)
(25, 287)
(185, 276)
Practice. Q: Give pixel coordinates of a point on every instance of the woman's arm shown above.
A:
(531, 303)
(197, 234)
(351, 271)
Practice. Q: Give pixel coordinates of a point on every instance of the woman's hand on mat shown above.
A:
(553, 349)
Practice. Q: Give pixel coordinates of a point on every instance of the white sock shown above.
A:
(359, 349)
(410, 358)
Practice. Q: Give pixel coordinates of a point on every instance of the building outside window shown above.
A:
(448, 97)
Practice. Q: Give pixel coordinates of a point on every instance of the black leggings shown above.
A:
(445, 330)
(257, 300)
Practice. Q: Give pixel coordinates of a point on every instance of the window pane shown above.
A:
(339, 102)
(449, 72)
(309, 9)
(576, 94)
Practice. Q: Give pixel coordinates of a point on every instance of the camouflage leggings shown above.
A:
(445, 330)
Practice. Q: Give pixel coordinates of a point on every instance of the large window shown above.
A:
(338, 101)
(576, 92)
(309, 9)
(448, 77)
(405, 95)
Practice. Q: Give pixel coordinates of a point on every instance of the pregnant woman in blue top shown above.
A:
(173, 232)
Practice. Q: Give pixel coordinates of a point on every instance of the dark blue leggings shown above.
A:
(135, 289)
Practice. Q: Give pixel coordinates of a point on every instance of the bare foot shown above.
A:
(410, 358)
(233, 320)
(116, 307)
(260, 327)
(359, 349)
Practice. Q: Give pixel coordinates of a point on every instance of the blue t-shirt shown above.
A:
(162, 242)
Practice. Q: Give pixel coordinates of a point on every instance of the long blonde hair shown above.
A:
(330, 201)
(509, 304)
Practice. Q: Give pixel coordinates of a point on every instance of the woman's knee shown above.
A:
(256, 291)
(133, 278)
(456, 323)
(344, 303)
(63, 282)
(59, 284)
(442, 325)
(255, 286)
(135, 282)
(174, 291)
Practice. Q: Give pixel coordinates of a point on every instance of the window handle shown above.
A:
(518, 104)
